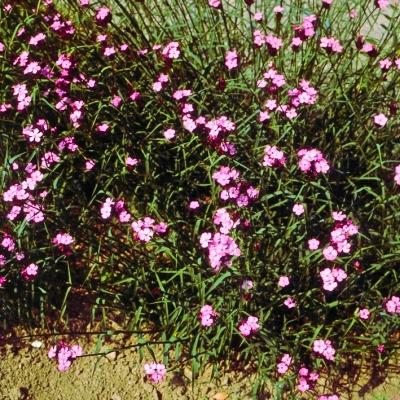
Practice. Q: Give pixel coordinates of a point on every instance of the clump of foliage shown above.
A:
(224, 172)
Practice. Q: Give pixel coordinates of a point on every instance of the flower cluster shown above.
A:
(22, 196)
(223, 219)
(331, 45)
(65, 354)
(273, 157)
(144, 229)
(304, 31)
(234, 189)
(331, 278)
(207, 316)
(284, 364)
(231, 59)
(325, 348)
(221, 248)
(30, 271)
(393, 305)
(249, 326)
(306, 379)
(312, 162)
(343, 229)
(63, 241)
(155, 372)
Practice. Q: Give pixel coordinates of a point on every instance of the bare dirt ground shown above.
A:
(27, 374)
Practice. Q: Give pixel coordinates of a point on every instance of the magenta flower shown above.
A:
(273, 156)
(249, 326)
(330, 253)
(331, 278)
(215, 3)
(30, 272)
(324, 348)
(364, 313)
(290, 303)
(312, 161)
(169, 134)
(221, 249)
(155, 372)
(313, 244)
(65, 354)
(231, 59)
(380, 120)
(207, 315)
(393, 305)
(284, 364)
(283, 281)
(298, 209)
(331, 45)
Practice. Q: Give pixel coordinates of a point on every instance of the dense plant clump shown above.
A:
(223, 173)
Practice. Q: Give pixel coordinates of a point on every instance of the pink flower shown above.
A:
(380, 348)
(131, 162)
(278, 10)
(380, 120)
(381, 4)
(273, 157)
(247, 285)
(116, 101)
(221, 249)
(30, 272)
(65, 354)
(106, 208)
(298, 209)
(64, 239)
(249, 326)
(353, 13)
(258, 16)
(103, 16)
(89, 165)
(325, 348)
(169, 134)
(194, 205)
(290, 303)
(207, 315)
(331, 45)
(364, 313)
(171, 51)
(397, 174)
(329, 397)
(393, 305)
(327, 3)
(231, 59)
(284, 364)
(385, 64)
(312, 161)
(214, 3)
(330, 253)
(331, 278)
(313, 244)
(283, 281)
(155, 372)
(102, 128)
(303, 385)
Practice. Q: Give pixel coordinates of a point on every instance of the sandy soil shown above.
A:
(27, 374)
